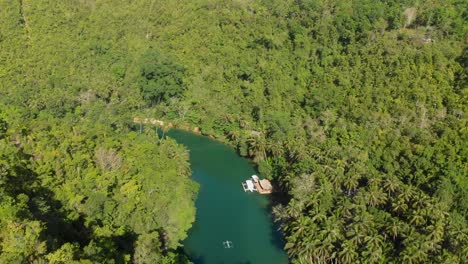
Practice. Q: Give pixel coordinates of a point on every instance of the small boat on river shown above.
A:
(249, 185)
(256, 185)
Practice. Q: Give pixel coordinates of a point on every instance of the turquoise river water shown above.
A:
(224, 211)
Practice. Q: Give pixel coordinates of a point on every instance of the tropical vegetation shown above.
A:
(355, 109)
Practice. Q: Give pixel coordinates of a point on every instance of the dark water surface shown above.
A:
(224, 211)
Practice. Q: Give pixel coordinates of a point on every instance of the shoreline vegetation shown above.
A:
(169, 125)
(222, 202)
(357, 109)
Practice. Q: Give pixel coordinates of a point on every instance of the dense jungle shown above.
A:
(356, 110)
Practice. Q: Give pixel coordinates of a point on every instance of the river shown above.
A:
(224, 211)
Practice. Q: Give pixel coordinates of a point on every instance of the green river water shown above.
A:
(224, 211)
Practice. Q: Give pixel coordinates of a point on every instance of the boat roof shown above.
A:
(266, 184)
(250, 184)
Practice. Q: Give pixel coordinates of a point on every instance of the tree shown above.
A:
(348, 253)
(342, 91)
(147, 249)
(160, 79)
(3, 127)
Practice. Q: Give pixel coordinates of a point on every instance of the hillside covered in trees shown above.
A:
(355, 109)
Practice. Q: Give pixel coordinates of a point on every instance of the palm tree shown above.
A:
(373, 255)
(355, 234)
(323, 251)
(406, 194)
(308, 248)
(276, 148)
(420, 201)
(257, 148)
(330, 232)
(295, 208)
(374, 182)
(436, 231)
(164, 130)
(434, 238)
(418, 218)
(234, 135)
(280, 213)
(391, 184)
(376, 196)
(301, 226)
(336, 179)
(347, 208)
(351, 182)
(317, 215)
(414, 253)
(399, 206)
(374, 241)
(297, 150)
(394, 228)
(348, 253)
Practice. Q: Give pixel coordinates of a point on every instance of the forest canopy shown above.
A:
(160, 78)
(356, 110)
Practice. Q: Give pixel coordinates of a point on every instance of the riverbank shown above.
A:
(168, 125)
(224, 211)
(185, 126)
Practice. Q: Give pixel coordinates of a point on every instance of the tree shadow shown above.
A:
(277, 236)
(59, 228)
(197, 259)
(201, 260)
(114, 247)
(62, 225)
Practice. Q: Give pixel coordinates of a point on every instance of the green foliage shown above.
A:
(356, 109)
(160, 79)
(3, 127)
(92, 190)
(146, 250)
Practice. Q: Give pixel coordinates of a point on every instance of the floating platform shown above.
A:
(264, 186)
(249, 185)
(257, 185)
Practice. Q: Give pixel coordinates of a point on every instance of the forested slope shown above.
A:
(356, 109)
(360, 107)
(76, 183)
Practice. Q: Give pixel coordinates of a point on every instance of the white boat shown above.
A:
(228, 244)
(249, 186)
(255, 178)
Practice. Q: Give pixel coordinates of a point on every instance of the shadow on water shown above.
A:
(201, 260)
(198, 260)
(220, 170)
(275, 199)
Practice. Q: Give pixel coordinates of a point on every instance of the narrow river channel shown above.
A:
(224, 211)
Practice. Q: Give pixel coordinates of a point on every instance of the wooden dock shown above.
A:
(256, 185)
(264, 189)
